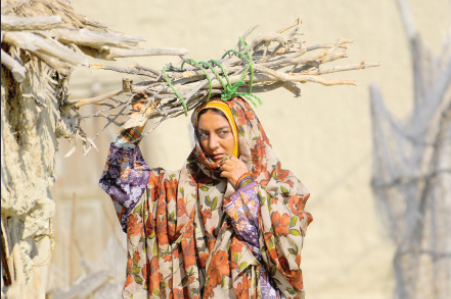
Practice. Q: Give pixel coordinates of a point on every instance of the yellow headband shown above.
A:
(224, 108)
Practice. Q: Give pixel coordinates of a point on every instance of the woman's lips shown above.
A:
(217, 157)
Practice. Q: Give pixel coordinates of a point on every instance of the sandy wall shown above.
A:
(324, 136)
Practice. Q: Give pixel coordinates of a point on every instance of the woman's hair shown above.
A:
(211, 109)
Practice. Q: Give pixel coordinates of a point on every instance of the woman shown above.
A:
(229, 224)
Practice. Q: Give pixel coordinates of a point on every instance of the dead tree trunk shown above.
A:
(28, 145)
(412, 173)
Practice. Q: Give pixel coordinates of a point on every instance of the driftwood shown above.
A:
(267, 62)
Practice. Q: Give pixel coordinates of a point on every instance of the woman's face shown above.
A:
(215, 135)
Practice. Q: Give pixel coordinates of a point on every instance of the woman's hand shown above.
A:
(232, 169)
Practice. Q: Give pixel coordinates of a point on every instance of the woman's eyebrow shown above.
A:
(222, 128)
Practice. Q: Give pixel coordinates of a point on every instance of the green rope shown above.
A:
(251, 64)
(173, 89)
(212, 68)
(205, 73)
(223, 70)
(230, 90)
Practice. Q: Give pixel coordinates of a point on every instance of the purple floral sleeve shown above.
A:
(243, 212)
(124, 178)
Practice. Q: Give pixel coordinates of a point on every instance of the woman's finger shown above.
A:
(225, 167)
(225, 174)
(137, 106)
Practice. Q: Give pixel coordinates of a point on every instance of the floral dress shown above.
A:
(190, 234)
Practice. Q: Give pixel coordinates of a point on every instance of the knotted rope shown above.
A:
(230, 90)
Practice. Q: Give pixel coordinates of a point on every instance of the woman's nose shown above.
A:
(213, 144)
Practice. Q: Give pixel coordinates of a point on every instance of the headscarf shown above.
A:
(224, 108)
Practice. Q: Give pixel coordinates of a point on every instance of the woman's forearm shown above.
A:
(125, 177)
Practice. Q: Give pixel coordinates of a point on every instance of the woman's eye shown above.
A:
(223, 133)
(203, 135)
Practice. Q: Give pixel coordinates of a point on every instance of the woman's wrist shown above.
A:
(245, 179)
(131, 135)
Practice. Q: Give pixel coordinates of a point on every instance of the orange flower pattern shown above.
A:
(182, 239)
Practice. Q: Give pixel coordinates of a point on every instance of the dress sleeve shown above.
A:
(124, 179)
(243, 212)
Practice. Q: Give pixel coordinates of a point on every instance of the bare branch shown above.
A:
(35, 43)
(83, 102)
(17, 69)
(13, 23)
(130, 71)
(117, 53)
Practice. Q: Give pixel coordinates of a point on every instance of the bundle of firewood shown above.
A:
(263, 63)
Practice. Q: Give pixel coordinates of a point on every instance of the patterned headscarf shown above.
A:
(224, 108)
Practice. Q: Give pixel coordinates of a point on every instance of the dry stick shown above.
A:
(304, 78)
(297, 23)
(244, 36)
(335, 56)
(265, 50)
(274, 37)
(14, 66)
(108, 117)
(296, 59)
(359, 66)
(122, 70)
(34, 43)
(13, 23)
(56, 64)
(113, 119)
(117, 53)
(95, 39)
(147, 69)
(324, 46)
(77, 104)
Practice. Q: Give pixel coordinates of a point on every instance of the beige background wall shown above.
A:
(324, 136)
